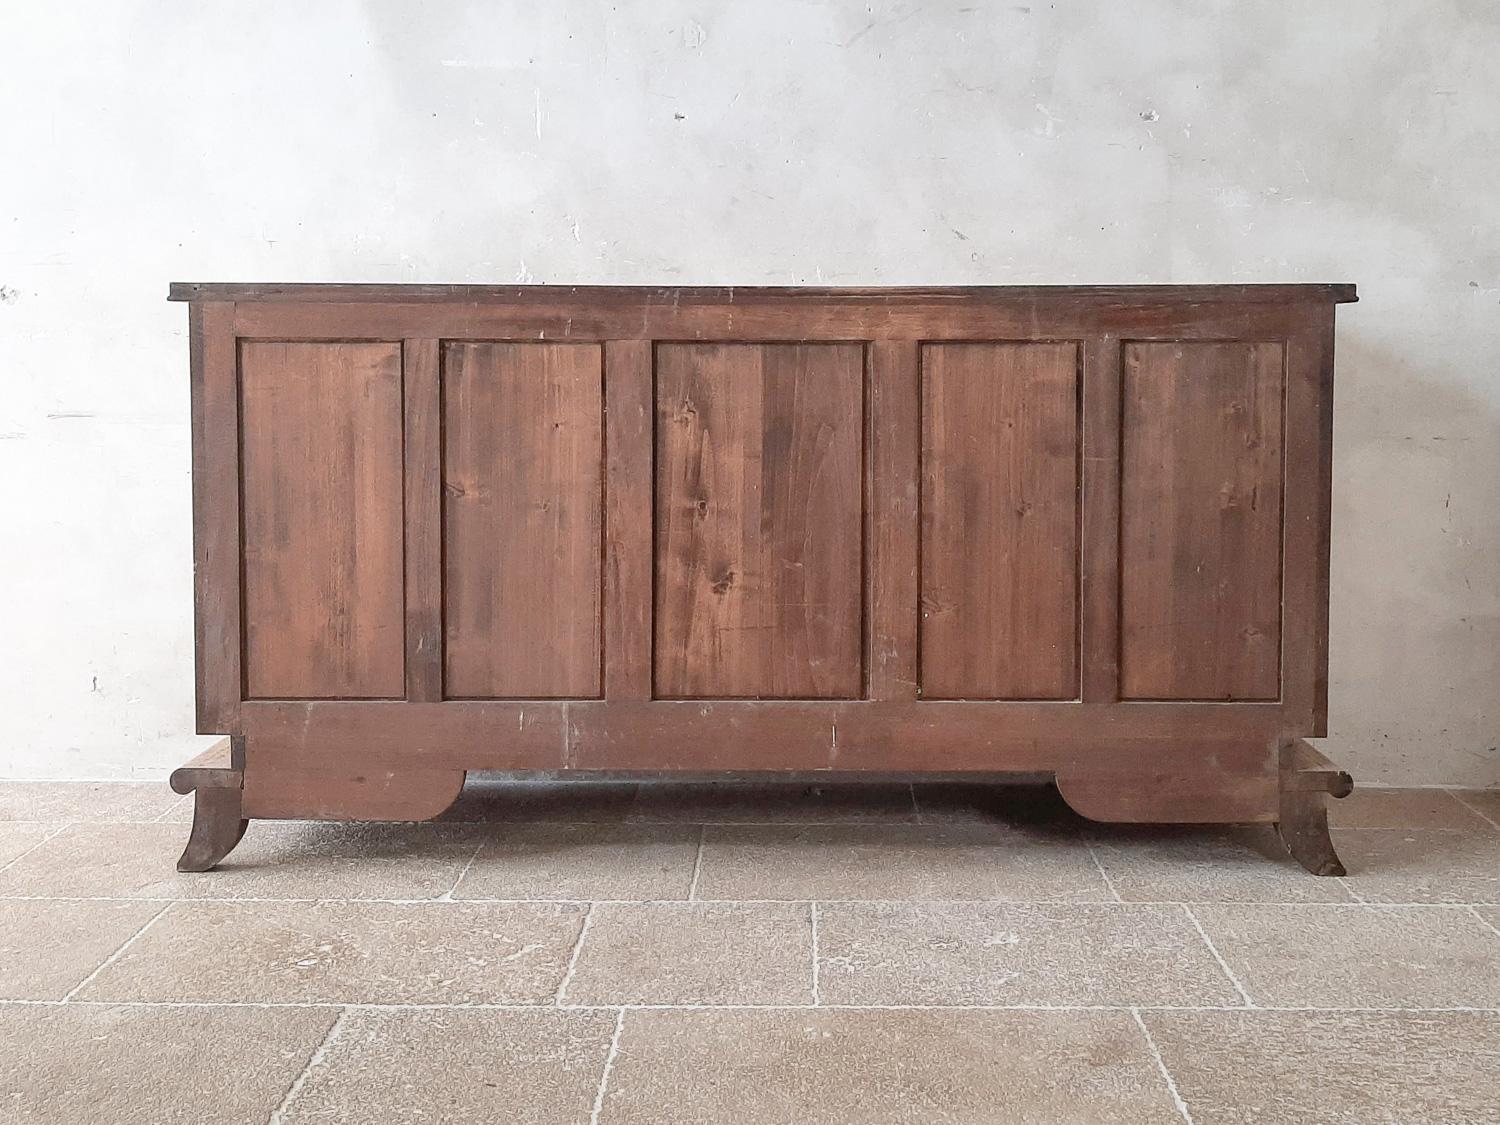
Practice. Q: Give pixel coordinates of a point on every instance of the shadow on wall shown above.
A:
(1415, 630)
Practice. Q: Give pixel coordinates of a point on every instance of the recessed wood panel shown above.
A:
(999, 590)
(758, 520)
(522, 505)
(321, 476)
(1200, 521)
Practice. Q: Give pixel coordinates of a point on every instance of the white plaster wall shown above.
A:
(768, 142)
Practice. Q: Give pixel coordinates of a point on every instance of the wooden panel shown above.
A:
(758, 520)
(424, 517)
(522, 512)
(658, 315)
(1099, 582)
(1200, 541)
(892, 434)
(321, 465)
(1223, 746)
(347, 789)
(216, 517)
(627, 559)
(1000, 521)
(1308, 437)
(790, 475)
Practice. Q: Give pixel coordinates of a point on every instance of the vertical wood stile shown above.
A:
(216, 515)
(422, 410)
(1100, 544)
(893, 417)
(628, 439)
(1305, 547)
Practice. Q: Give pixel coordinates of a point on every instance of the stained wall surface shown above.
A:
(769, 143)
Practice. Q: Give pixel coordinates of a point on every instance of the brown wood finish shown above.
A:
(522, 520)
(219, 822)
(1200, 541)
(1072, 531)
(1099, 585)
(589, 297)
(758, 521)
(348, 792)
(892, 547)
(630, 426)
(423, 443)
(216, 516)
(321, 480)
(999, 521)
(1306, 776)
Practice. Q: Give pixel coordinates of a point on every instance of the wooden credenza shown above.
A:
(1080, 531)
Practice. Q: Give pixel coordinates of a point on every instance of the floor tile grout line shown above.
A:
(609, 1066)
(318, 1005)
(449, 896)
(1483, 921)
(698, 863)
(6, 866)
(441, 900)
(1161, 1066)
(295, 1089)
(118, 953)
(1212, 948)
(1480, 813)
(161, 818)
(817, 997)
(583, 932)
(1108, 882)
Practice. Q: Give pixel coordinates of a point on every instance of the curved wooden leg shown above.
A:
(1307, 780)
(217, 828)
(1303, 828)
(218, 820)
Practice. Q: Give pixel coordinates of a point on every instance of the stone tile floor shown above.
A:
(745, 953)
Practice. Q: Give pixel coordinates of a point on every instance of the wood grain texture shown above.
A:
(1100, 550)
(746, 735)
(1308, 520)
(629, 422)
(893, 439)
(758, 533)
(424, 520)
(217, 628)
(999, 521)
(346, 791)
(522, 520)
(759, 520)
(322, 486)
(594, 295)
(755, 318)
(1200, 540)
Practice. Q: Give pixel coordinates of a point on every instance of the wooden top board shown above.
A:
(1334, 293)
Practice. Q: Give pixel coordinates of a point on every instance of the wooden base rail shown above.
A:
(221, 807)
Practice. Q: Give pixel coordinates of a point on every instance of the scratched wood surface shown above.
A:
(522, 510)
(999, 547)
(1200, 542)
(321, 477)
(759, 520)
